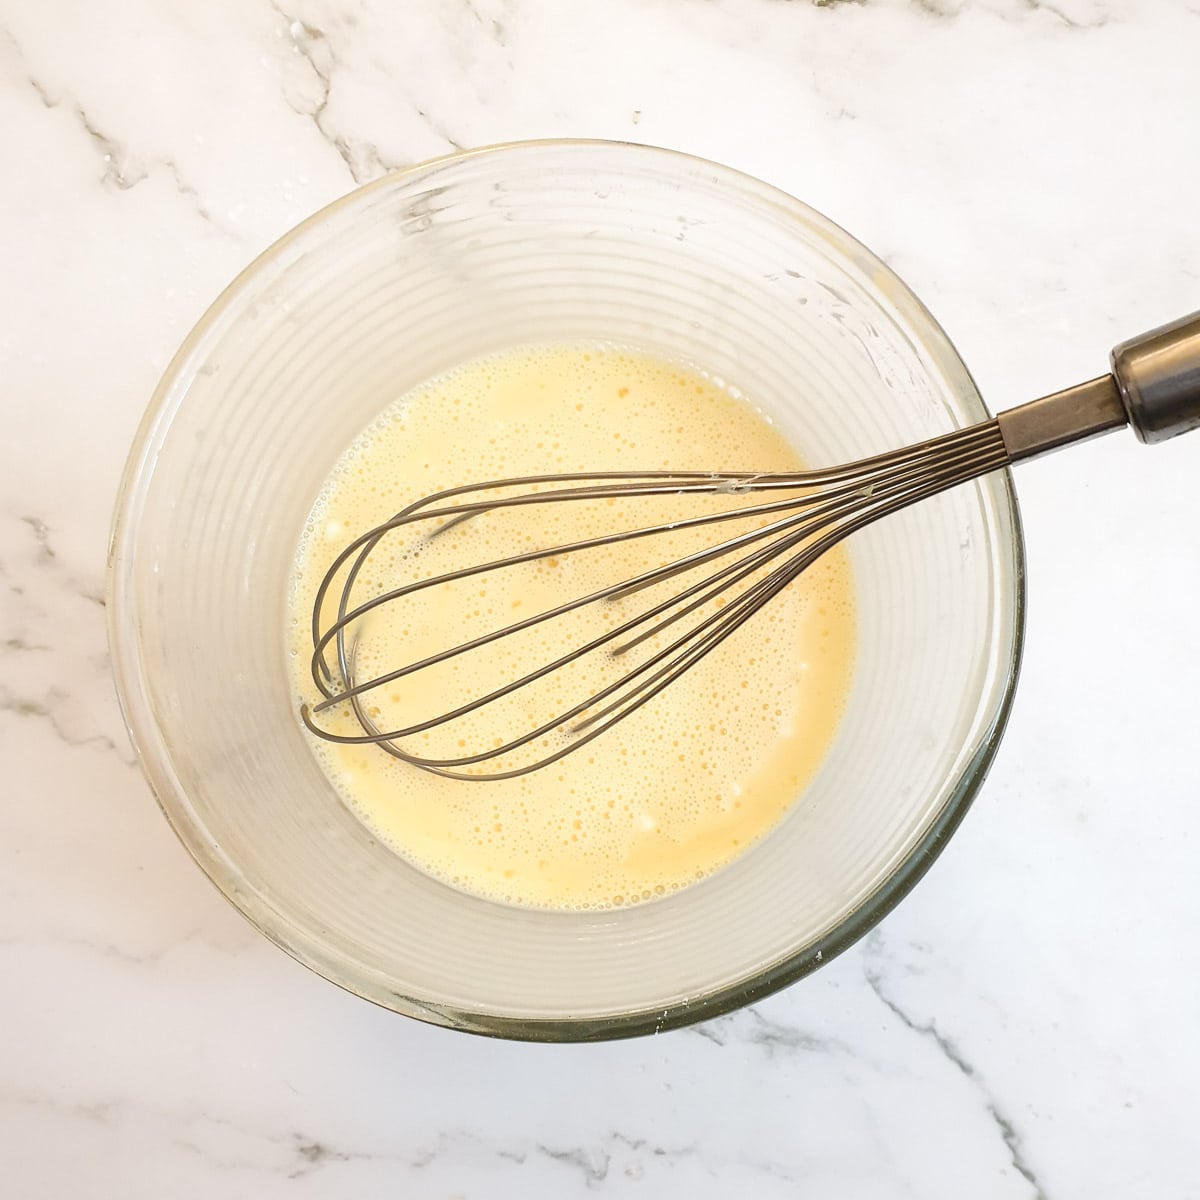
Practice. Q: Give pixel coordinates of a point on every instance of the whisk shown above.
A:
(1154, 386)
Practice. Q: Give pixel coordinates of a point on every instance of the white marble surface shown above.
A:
(1028, 1023)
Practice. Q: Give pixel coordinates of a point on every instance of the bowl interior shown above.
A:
(469, 255)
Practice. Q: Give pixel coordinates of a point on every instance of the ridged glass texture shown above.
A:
(473, 254)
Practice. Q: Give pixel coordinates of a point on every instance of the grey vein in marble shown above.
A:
(748, 1026)
(313, 47)
(313, 1154)
(34, 686)
(302, 1155)
(876, 981)
(121, 169)
(592, 1165)
(363, 159)
(41, 533)
(1080, 15)
(497, 27)
(100, 1112)
(595, 1165)
(49, 709)
(147, 958)
(19, 645)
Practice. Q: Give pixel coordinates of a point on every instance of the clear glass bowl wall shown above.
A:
(470, 255)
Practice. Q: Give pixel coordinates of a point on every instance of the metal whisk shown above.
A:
(1154, 386)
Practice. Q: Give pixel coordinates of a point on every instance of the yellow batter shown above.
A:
(674, 791)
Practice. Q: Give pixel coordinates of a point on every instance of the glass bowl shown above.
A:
(469, 255)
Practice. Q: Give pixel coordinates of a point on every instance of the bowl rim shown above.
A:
(155, 760)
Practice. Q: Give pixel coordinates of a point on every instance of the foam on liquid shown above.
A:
(674, 791)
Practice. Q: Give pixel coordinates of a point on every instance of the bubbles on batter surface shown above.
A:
(675, 791)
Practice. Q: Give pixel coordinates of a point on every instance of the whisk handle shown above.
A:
(1158, 379)
(1154, 386)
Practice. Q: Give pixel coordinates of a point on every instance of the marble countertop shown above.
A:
(1027, 1024)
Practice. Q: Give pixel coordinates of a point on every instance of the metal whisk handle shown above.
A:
(1158, 376)
(1154, 387)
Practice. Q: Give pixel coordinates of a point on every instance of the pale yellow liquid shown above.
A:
(678, 788)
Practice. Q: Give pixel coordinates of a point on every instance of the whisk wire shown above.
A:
(831, 503)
